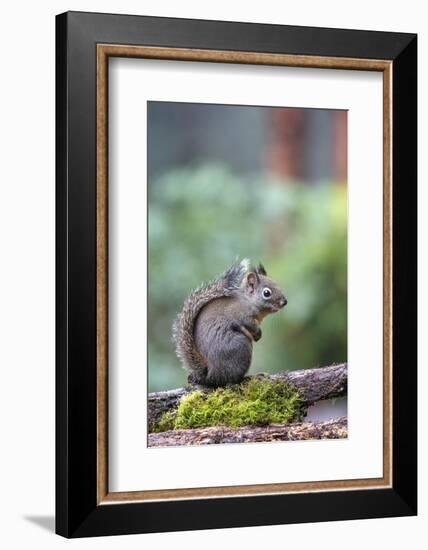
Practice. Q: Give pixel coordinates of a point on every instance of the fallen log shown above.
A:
(331, 429)
(313, 384)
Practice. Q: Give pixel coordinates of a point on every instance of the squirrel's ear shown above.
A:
(260, 269)
(252, 280)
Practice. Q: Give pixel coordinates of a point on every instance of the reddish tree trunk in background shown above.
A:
(285, 144)
(304, 147)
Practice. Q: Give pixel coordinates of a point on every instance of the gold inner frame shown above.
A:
(104, 51)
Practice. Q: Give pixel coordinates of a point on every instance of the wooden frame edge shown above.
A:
(102, 274)
(387, 274)
(241, 57)
(103, 52)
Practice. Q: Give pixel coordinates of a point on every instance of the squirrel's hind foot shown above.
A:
(197, 382)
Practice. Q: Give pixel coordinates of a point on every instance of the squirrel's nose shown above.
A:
(283, 301)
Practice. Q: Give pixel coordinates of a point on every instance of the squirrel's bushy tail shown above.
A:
(183, 328)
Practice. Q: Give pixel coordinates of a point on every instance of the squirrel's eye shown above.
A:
(267, 293)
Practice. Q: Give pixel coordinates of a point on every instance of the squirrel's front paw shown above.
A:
(252, 331)
(257, 334)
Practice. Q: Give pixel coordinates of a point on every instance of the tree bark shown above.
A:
(331, 429)
(317, 384)
(313, 384)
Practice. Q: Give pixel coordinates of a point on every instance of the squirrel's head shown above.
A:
(263, 291)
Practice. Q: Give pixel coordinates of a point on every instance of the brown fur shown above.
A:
(215, 330)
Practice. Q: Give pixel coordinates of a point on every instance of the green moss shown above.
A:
(166, 423)
(255, 402)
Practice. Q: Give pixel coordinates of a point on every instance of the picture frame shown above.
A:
(84, 44)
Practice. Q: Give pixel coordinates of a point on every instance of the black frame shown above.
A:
(77, 513)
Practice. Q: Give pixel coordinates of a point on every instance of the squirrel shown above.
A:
(215, 331)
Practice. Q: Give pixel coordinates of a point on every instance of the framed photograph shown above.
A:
(236, 274)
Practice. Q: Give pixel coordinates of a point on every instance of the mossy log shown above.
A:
(313, 384)
(331, 429)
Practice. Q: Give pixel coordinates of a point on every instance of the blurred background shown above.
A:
(258, 182)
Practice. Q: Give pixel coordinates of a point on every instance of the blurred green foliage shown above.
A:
(201, 220)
